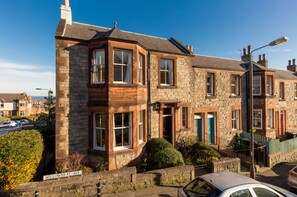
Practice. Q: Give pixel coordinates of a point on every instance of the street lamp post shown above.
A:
(252, 130)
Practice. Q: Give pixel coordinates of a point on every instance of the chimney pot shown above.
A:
(66, 3)
(289, 62)
(249, 49)
(244, 51)
(264, 58)
(294, 62)
(260, 58)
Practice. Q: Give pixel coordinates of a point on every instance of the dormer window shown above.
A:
(98, 64)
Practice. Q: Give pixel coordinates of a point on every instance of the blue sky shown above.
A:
(213, 27)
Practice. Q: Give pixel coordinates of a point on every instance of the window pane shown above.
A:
(117, 56)
(126, 119)
(162, 64)
(264, 192)
(127, 57)
(241, 193)
(163, 77)
(118, 120)
(117, 73)
(118, 137)
(126, 136)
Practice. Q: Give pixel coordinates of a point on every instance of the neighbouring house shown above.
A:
(15, 104)
(117, 89)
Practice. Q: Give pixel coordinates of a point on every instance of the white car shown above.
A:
(292, 178)
(8, 124)
(24, 121)
(229, 184)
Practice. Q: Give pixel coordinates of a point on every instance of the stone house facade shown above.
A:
(117, 89)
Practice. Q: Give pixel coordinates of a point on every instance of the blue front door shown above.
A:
(211, 128)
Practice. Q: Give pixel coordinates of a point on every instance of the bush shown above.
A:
(30, 118)
(157, 144)
(168, 157)
(20, 154)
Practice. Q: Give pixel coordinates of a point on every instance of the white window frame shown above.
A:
(184, 117)
(257, 118)
(282, 90)
(269, 86)
(270, 116)
(235, 90)
(257, 85)
(141, 60)
(22, 113)
(210, 84)
(141, 126)
(236, 119)
(167, 69)
(122, 128)
(128, 66)
(98, 66)
(95, 128)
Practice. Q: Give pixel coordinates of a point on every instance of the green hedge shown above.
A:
(20, 154)
(168, 157)
(157, 144)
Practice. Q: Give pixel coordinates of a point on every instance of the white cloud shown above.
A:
(25, 78)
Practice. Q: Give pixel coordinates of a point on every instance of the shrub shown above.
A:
(157, 144)
(30, 118)
(20, 154)
(168, 157)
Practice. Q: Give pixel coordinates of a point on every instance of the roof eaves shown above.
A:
(228, 69)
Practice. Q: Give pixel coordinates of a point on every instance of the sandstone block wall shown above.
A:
(226, 164)
(110, 182)
(72, 72)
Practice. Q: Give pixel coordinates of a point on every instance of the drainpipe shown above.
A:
(149, 112)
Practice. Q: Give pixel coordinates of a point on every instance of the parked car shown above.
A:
(229, 184)
(292, 178)
(24, 121)
(8, 124)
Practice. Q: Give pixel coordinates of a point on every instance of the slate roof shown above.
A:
(285, 74)
(200, 61)
(10, 97)
(87, 32)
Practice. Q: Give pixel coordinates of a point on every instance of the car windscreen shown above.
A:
(201, 188)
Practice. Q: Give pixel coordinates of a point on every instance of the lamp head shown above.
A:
(278, 41)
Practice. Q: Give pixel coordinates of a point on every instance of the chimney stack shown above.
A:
(66, 12)
(246, 54)
(190, 48)
(292, 65)
(262, 60)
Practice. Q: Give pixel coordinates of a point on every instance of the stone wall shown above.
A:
(110, 182)
(72, 72)
(279, 157)
(226, 164)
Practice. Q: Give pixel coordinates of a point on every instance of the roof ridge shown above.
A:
(120, 30)
(219, 57)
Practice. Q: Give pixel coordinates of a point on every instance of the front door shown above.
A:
(198, 127)
(282, 122)
(276, 124)
(168, 124)
(211, 128)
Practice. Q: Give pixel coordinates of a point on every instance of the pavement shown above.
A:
(275, 176)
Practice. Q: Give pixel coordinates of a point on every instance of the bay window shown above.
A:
(122, 130)
(98, 63)
(99, 128)
(122, 64)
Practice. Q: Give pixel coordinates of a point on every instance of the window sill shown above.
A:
(210, 97)
(122, 148)
(281, 99)
(166, 87)
(235, 96)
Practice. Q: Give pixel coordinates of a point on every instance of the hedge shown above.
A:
(20, 154)
(157, 144)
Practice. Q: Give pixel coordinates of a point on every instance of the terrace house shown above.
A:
(117, 89)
